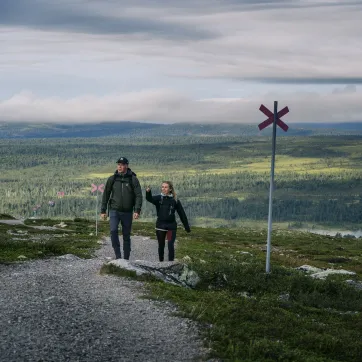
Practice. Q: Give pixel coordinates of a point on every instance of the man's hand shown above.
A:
(103, 217)
(136, 215)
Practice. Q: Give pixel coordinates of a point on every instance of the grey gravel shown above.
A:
(12, 222)
(62, 309)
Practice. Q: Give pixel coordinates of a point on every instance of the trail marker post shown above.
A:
(51, 203)
(60, 195)
(96, 188)
(273, 118)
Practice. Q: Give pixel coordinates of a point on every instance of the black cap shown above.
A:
(123, 160)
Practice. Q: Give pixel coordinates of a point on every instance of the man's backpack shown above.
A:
(113, 181)
(132, 181)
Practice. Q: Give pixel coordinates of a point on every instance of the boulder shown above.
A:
(319, 273)
(169, 271)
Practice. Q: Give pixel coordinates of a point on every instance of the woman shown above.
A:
(166, 206)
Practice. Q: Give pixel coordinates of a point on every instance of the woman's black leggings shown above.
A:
(161, 238)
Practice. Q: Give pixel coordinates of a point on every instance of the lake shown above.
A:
(357, 234)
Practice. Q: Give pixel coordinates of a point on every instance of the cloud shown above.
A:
(306, 80)
(167, 106)
(79, 17)
(284, 42)
(351, 88)
(171, 60)
(288, 45)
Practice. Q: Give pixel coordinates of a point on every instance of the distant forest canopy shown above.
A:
(318, 179)
(139, 129)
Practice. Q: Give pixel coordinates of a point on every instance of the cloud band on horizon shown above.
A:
(166, 106)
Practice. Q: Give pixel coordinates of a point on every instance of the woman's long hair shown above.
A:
(172, 190)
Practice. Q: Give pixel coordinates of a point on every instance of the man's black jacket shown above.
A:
(122, 193)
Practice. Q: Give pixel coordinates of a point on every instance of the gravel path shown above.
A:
(62, 309)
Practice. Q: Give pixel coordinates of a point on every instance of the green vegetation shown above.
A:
(6, 217)
(244, 314)
(248, 315)
(138, 129)
(223, 182)
(24, 242)
(224, 179)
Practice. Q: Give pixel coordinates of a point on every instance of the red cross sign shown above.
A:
(99, 188)
(270, 119)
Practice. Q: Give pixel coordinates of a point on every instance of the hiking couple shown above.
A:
(123, 198)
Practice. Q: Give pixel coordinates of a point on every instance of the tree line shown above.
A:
(202, 169)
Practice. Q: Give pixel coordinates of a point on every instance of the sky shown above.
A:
(169, 61)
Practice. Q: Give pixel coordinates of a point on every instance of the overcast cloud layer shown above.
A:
(169, 61)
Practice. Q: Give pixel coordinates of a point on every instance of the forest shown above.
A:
(20, 130)
(220, 180)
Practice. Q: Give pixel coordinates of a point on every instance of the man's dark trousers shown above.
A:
(126, 221)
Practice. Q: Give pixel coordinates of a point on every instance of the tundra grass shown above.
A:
(248, 315)
(23, 242)
(6, 217)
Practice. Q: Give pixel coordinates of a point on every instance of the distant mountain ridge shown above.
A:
(138, 129)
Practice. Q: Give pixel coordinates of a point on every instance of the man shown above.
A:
(123, 196)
